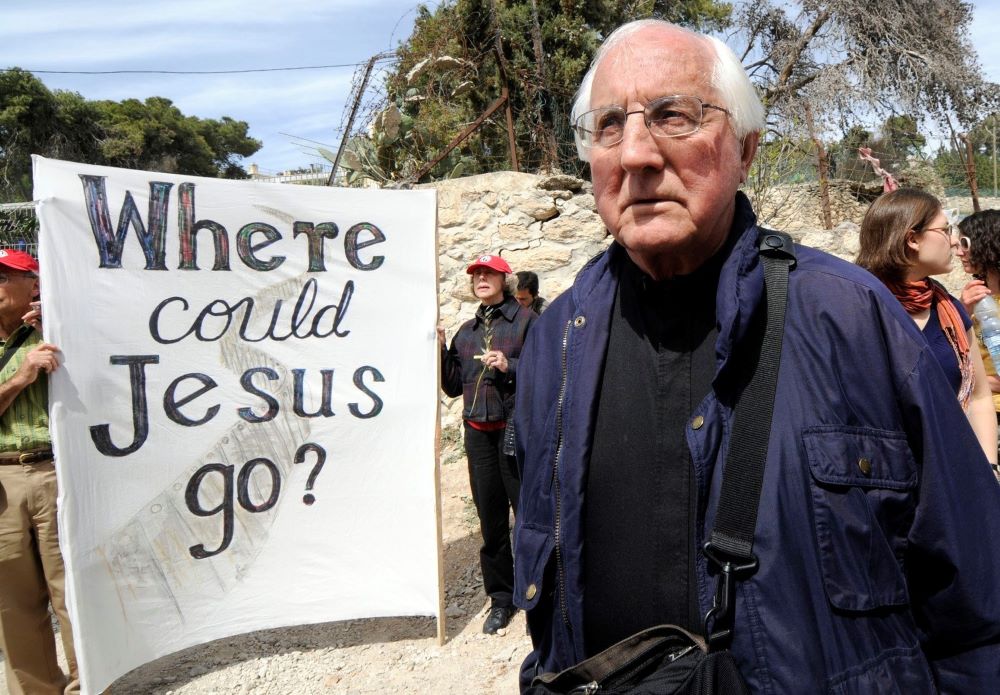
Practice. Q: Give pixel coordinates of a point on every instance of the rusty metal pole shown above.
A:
(466, 132)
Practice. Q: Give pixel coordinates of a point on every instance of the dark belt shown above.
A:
(29, 456)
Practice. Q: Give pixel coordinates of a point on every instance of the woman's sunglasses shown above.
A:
(965, 243)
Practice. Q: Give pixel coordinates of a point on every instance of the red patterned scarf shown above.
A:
(918, 296)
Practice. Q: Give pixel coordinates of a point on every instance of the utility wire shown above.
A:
(299, 137)
(195, 72)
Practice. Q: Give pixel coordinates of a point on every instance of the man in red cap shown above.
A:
(482, 366)
(31, 567)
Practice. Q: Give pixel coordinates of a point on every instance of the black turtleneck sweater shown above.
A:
(639, 549)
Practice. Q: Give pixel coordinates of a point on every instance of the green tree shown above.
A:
(844, 161)
(152, 134)
(449, 73)
(895, 144)
(950, 166)
(27, 117)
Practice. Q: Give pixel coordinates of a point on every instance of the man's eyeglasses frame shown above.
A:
(655, 126)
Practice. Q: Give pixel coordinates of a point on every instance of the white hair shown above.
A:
(729, 79)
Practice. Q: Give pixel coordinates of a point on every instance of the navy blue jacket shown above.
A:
(488, 394)
(879, 577)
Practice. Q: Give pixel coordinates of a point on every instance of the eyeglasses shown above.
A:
(667, 117)
(948, 230)
(6, 277)
(965, 242)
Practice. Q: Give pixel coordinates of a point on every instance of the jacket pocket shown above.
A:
(898, 671)
(532, 550)
(862, 485)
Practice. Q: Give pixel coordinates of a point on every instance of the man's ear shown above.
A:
(750, 141)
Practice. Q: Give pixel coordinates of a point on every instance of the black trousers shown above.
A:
(495, 488)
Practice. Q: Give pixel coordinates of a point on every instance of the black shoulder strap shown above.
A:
(10, 348)
(730, 548)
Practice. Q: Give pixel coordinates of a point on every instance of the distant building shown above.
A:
(315, 175)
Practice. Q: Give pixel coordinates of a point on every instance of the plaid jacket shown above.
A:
(488, 393)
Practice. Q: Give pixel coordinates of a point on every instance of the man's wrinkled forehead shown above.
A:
(664, 61)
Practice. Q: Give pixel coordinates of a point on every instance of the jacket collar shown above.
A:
(740, 291)
(741, 283)
(508, 309)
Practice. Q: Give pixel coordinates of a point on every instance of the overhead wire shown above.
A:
(198, 72)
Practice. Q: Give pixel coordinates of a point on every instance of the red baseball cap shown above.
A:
(489, 261)
(18, 260)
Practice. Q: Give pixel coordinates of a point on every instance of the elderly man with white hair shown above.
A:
(874, 556)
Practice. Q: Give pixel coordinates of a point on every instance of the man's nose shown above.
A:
(639, 149)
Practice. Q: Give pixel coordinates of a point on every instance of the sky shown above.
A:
(213, 35)
(285, 110)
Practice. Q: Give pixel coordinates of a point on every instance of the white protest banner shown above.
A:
(244, 421)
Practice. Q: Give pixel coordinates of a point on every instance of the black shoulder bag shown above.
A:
(665, 659)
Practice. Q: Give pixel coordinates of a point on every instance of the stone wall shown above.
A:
(549, 224)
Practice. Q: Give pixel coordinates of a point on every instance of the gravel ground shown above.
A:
(385, 655)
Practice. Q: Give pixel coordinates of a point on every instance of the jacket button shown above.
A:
(579, 322)
(697, 421)
(865, 465)
(530, 592)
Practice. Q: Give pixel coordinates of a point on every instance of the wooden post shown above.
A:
(511, 143)
(970, 171)
(550, 153)
(442, 627)
(994, 132)
(505, 89)
(823, 164)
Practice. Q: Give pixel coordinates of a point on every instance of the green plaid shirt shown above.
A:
(25, 424)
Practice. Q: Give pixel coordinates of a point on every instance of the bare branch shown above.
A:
(796, 53)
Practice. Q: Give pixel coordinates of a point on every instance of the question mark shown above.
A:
(300, 456)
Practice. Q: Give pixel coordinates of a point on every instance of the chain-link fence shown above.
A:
(19, 227)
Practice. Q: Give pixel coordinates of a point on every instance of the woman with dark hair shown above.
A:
(906, 238)
(481, 365)
(979, 251)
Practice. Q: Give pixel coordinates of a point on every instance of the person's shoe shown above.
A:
(499, 617)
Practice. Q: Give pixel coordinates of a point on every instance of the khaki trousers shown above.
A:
(31, 575)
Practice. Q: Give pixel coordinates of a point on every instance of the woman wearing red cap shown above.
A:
(482, 366)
